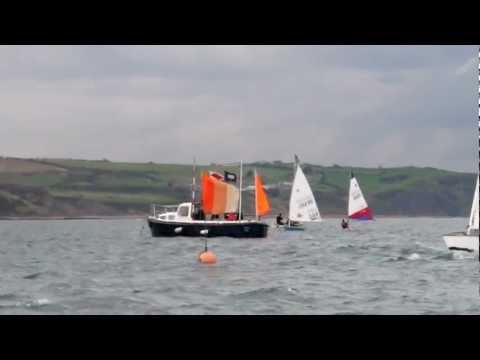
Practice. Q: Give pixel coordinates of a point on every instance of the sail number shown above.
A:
(356, 195)
(304, 204)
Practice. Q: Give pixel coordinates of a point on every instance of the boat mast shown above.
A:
(240, 201)
(193, 183)
(256, 194)
(473, 215)
(348, 191)
(296, 163)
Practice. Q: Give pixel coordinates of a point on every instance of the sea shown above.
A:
(387, 266)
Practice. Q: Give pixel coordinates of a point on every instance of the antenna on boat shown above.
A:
(193, 183)
(240, 200)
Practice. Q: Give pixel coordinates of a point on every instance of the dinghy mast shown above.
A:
(473, 221)
(240, 185)
(296, 163)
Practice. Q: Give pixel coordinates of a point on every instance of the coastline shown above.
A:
(133, 217)
(68, 218)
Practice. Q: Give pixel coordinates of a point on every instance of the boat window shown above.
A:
(183, 211)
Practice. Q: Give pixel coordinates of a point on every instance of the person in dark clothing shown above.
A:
(280, 219)
(344, 224)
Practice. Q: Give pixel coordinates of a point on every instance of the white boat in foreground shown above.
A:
(466, 240)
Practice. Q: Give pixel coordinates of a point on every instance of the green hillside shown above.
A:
(61, 187)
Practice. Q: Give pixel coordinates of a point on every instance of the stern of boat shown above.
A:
(460, 241)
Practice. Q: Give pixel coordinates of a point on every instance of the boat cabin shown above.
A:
(186, 212)
(182, 213)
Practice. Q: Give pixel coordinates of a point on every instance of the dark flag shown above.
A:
(216, 175)
(297, 160)
(230, 177)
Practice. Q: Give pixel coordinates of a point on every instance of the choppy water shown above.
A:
(390, 266)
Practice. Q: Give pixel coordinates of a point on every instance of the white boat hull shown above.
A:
(461, 241)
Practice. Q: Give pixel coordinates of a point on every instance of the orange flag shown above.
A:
(262, 207)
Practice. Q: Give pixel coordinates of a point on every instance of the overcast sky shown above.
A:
(349, 105)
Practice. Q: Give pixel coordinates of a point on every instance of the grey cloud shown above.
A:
(353, 105)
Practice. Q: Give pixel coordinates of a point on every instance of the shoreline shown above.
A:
(66, 218)
(136, 217)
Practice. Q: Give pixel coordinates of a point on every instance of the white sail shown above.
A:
(303, 207)
(473, 222)
(357, 205)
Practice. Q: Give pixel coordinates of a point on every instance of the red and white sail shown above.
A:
(357, 205)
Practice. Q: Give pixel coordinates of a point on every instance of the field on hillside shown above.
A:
(54, 187)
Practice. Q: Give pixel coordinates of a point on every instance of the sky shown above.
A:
(348, 105)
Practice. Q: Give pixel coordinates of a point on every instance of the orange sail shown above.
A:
(207, 193)
(262, 206)
(218, 197)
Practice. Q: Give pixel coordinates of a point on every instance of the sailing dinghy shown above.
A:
(357, 205)
(302, 207)
(466, 240)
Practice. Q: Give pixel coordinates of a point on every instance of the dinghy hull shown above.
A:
(234, 229)
(461, 241)
(294, 228)
(290, 228)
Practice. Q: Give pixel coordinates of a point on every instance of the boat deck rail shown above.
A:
(158, 209)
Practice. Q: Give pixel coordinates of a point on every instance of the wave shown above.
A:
(267, 291)
(348, 313)
(348, 246)
(461, 255)
(455, 255)
(36, 275)
(411, 257)
(414, 256)
(39, 302)
(32, 276)
(35, 303)
(446, 256)
(8, 296)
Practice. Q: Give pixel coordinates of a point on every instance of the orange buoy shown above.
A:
(207, 257)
